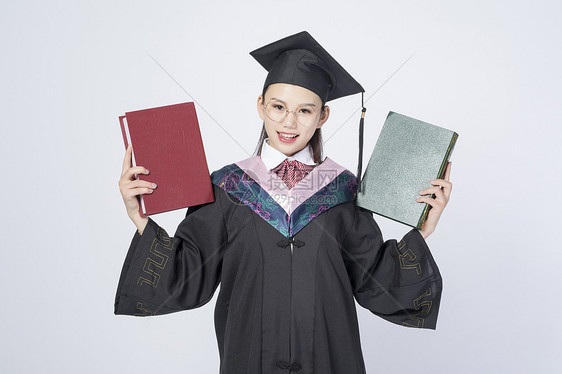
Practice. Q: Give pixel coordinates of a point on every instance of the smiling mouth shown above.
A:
(285, 135)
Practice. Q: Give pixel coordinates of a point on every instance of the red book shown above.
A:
(167, 141)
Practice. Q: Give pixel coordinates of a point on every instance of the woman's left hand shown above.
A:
(442, 190)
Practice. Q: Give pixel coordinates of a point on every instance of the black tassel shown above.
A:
(361, 129)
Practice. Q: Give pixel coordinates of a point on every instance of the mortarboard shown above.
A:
(300, 60)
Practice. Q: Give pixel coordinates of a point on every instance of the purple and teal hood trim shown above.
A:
(287, 210)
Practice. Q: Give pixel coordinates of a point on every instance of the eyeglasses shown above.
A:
(276, 111)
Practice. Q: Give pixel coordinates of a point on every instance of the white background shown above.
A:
(490, 70)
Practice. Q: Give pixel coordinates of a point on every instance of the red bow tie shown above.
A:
(292, 172)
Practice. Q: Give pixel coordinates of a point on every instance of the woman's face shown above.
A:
(290, 135)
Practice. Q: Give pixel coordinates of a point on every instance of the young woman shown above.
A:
(285, 240)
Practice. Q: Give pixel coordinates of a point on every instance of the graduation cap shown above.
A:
(300, 60)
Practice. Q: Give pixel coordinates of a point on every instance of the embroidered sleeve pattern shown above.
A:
(156, 260)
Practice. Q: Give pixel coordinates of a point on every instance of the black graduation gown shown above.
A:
(288, 283)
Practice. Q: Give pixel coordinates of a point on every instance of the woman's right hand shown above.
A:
(130, 188)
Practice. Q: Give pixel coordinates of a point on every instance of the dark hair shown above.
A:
(315, 142)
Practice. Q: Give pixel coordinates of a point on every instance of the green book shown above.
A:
(409, 153)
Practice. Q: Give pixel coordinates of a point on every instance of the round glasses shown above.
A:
(304, 114)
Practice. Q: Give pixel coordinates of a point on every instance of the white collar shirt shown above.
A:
(271, 157)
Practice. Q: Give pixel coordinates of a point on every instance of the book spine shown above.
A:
(124, 131)
(440, 175)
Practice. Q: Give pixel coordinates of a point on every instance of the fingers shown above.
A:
(128, 167)
(442, 183)
(441, 198)
(446, 186)
(130, 187)
(127, 160)
(125, 184)
(130, 193)
(140, 183)
(136, 187)
(437, 191)
(442, 190)
(436, 204)
(426, 199)
(130, 172)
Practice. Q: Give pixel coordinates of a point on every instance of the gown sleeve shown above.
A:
(163, 274)
(398, 281)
